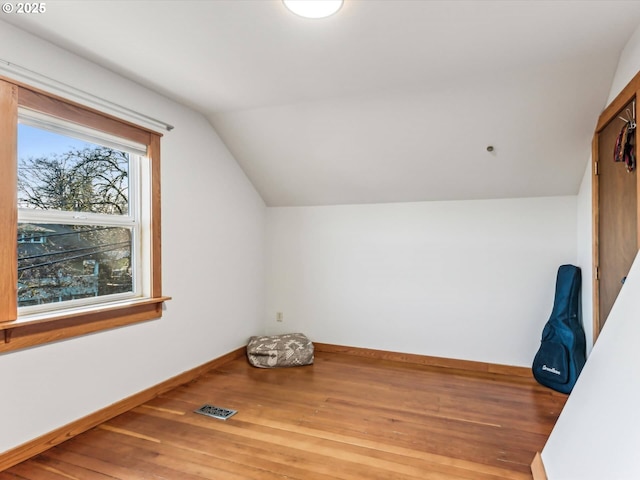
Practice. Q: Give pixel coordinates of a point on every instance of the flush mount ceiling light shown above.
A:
(313, 8)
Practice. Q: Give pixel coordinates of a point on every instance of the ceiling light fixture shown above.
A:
(313, 8)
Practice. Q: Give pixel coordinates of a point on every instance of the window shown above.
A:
(78, 202)
(82, 201)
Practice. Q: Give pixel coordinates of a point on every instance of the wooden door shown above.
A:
(615, 205)
(618, 225)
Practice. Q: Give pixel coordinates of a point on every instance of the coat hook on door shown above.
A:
(624, 149)
(630, 117)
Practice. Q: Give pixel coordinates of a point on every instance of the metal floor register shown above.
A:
(216, 412)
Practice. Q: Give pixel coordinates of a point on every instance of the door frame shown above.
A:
(630, 92)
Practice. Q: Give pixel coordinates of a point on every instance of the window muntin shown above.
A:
(79, 199)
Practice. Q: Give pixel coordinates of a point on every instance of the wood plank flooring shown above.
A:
(345, 417)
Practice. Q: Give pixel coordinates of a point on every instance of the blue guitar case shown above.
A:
(562, 352)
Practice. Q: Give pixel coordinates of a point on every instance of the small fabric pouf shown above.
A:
(289, 350)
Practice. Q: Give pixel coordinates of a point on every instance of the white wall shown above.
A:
(598, 433)
(213, 251)
(468, 280)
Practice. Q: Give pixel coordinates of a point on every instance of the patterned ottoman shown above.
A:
(289, 350)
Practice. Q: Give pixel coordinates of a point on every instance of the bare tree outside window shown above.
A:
(94, 179)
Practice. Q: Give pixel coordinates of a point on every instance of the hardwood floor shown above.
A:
(345, 417)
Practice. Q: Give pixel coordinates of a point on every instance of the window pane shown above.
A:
(67, 262)
(58, 172)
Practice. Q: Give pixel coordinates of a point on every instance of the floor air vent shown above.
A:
(216, 412)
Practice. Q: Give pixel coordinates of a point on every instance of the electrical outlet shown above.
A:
(279, 316)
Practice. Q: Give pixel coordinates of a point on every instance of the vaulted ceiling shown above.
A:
(386, 101)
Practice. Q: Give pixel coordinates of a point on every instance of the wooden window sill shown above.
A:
(39, 329)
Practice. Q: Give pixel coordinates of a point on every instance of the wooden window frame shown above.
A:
(16, 332)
